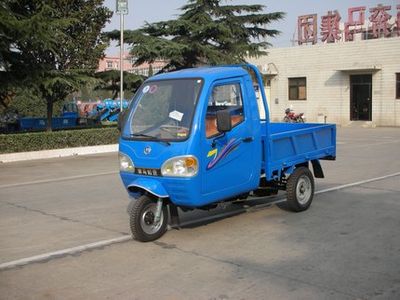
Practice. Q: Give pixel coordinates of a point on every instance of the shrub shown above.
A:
(35, 141)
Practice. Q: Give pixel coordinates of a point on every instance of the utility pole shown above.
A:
(122, 10)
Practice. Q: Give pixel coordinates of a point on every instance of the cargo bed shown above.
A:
(286, 145)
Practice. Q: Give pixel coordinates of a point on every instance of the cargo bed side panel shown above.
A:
(292, 144)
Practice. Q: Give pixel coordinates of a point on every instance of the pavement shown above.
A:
(64, 234)
(54, 153)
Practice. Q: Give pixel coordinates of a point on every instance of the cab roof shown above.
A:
(207, 73)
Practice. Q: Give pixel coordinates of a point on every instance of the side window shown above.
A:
(226, 96)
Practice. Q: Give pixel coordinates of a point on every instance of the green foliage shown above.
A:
(24, 27)
(35, 141)
(205, 33)
(110, 81)
(50, 46)
(28, 104)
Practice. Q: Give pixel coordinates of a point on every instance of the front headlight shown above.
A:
(125, 163)
(180, 166)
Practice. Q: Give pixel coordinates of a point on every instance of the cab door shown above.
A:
(231, 163)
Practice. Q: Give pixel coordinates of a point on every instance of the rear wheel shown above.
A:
(300, 189)
(143, 220)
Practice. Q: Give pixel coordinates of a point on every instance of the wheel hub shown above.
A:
(303, 190)
(147, 220)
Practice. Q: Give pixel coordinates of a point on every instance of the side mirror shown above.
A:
(224, 120)
(121, 119)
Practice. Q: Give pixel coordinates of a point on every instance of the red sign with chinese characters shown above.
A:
(380, 21)
(307, 29)
(355, 22)
(330, 31)
(381, 24)
(398, 20)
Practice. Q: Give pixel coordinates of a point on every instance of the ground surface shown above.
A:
(346, 246)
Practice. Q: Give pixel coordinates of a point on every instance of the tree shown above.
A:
(17, 29)
(206, 32)
(151, 72)
(51, 46)
(110, 81)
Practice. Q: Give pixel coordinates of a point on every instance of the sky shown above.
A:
(141, 11)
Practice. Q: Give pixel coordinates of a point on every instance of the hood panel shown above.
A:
(151, 154)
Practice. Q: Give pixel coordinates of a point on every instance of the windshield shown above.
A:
(164, 109)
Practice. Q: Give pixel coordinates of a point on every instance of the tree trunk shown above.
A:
(3, 103)
(115, 95)
(49, 114)
(6, 98)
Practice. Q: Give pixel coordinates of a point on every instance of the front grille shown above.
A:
(147, 171)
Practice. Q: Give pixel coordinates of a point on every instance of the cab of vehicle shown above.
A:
(192, 137)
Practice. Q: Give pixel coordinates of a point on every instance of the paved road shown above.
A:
(347, 246)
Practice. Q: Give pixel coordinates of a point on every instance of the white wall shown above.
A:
(328, 89)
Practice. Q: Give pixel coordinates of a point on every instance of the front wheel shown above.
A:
(300, 189)
(143, 220)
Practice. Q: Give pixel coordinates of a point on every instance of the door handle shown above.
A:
(248, 139)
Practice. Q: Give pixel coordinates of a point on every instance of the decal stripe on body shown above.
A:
(228, 148)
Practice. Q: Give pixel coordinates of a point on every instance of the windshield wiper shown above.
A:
(143, 135)
(150, 137)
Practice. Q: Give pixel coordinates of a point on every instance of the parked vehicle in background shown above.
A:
(292, 117)
(194, 138)
(73, 115)
(9, 121)
(106, 110)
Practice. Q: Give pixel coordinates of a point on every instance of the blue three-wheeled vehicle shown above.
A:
(194, 138)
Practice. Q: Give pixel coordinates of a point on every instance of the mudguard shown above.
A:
(318, 173)
(153, 186)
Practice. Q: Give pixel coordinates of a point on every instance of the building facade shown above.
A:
(111, 62)
(338, 83)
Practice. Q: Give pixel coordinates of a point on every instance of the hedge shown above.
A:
(35, 141)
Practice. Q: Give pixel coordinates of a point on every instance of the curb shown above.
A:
(22, 156)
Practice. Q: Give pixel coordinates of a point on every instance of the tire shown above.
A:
(287, 120)
(300, 189)
(142, 218)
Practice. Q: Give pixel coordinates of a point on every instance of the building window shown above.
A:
(397, 85)
(109, 64)
(298, 88)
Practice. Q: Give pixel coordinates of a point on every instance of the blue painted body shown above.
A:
(69, 119)
(31, 123)
(109, 109)
(250, 150)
